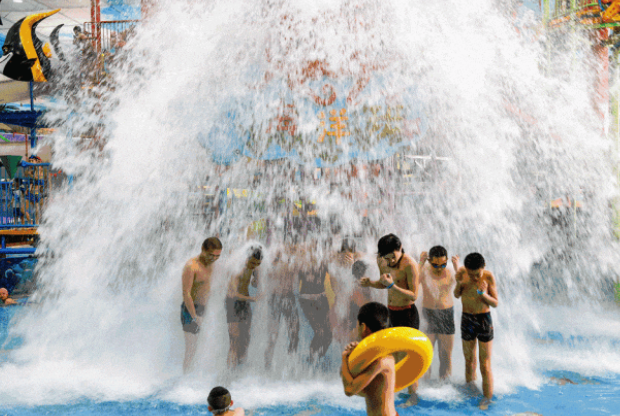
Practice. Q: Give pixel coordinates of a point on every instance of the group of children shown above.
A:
(401, 276)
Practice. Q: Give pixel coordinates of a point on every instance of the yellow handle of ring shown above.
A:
(382, 343)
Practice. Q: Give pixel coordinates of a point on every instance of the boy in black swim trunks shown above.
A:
(438, 305)
(238, 310)
(478, 291)
(400, 276)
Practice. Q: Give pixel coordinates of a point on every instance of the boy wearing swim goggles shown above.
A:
(438, 305)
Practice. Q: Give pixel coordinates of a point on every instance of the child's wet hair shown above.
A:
(389, 244)
(219, 399)
(474, 261)
(437, 251)
(212, 243)
(374, 315)
(256, 252)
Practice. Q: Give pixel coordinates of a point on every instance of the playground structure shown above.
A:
(24, 189)
(333, 118)
(600, 20)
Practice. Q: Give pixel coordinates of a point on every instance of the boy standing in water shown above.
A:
(220, 401)
(477, 289)
(283, 280)
(400, 276)
(238, 310)
(438, 306)
(376, 382)
(196, 281)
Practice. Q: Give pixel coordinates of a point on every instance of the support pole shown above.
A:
(146, 8)
(95, 18)
(33, 131)
(601, 97)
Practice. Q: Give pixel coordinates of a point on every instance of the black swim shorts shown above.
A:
(238, 311)
(404, 316)
(186, 319)
(478, 326)
(439, 321)
(283, 305)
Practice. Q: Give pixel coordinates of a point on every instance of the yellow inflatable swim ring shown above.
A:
(388, 341)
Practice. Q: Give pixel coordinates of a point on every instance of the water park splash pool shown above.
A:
(205, 117)
(562, 392)
(568, 381)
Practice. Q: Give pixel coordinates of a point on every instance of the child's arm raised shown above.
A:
(459, 283)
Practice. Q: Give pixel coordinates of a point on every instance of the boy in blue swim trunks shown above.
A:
(478, 291)
(438, 305)
(196, 280)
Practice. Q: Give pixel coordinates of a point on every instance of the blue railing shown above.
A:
(22, 197)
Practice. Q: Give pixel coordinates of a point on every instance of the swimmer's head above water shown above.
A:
(211, 250)
(4, 294)
(219, 400)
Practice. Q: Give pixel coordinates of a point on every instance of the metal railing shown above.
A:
(105, 41)
(23, 197)
(110, 36)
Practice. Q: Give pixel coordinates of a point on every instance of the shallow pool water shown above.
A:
(599, 395)
(594, 396)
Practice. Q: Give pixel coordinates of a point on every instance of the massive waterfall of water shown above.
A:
(508, 124)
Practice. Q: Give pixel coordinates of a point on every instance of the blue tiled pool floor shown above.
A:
(594, 396)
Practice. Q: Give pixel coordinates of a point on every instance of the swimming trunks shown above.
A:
(404, 316)
(285, 305)
(238, 311)
(478, 325)
(440, 321)
(317, 312)
(313, 281)
(318, 307)
(186, 319)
